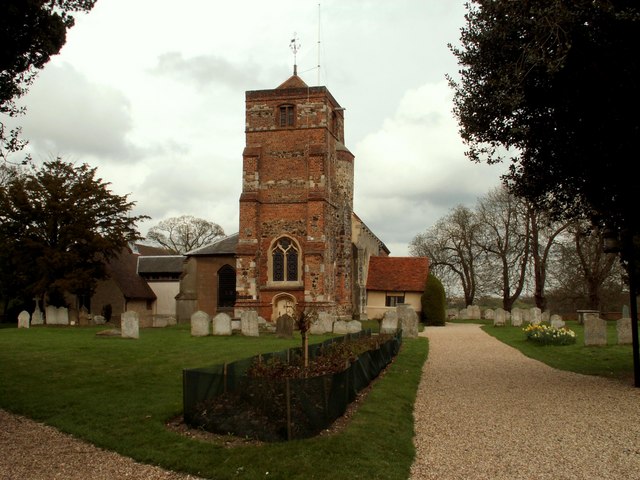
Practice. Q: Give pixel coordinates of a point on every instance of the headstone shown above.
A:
(235, 325)
(463, 314)
(23, 319)
(500, 319)
(222, 324)
(625, 311)
(37, 318)
(557, 322)
(526, 316)
(489, 314)
(249, 323)
(473, 312)
(51, 315)
(340, 327)
(389, 323)
(323, 324)
(99, 320)
(200, 324)
(452, 313)
(284, 326)
(354, 326)
(595, 330)
(623, 329)
(130, 324)
(535, 316)
(83, 316)
(516, 317)
(546, 316)
(408, 320)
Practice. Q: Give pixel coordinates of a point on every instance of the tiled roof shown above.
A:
(123, 270)
(398, 274)
(223, 246)
(161, 264)
(151, 250)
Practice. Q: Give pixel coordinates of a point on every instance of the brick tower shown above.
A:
(294, 248)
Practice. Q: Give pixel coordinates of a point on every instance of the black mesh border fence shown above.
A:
(224, 399)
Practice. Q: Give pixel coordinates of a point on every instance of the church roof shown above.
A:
(294, 81)
(398, 274)
(160, 264)
(223, 246)
(123, 270)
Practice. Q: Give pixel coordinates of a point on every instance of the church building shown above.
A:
(299, 244)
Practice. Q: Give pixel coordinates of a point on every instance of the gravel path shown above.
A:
(485, 411)
(34, 451)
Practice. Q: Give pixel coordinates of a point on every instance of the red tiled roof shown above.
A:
(398, 274)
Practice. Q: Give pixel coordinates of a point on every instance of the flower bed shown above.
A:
(548, 335)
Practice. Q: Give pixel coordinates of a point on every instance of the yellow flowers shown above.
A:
(548, 335)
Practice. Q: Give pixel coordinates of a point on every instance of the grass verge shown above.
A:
(612, 361)
(118, 394)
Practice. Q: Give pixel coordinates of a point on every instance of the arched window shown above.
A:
(226, 286)
(284, 261)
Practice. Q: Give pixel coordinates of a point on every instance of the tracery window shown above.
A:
(284, 256)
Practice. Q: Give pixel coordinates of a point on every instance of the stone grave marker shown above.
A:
(623, 329)
(389, 323)
(489, 314)
(340, 327)
(284, 326)
(323, 324)
(516, 317)
(557, 322)
(200, 324)
(130, 324)
(453, 313)
(99, 320)
(37, 318)
(535, 315)
(23, 319)
(595, 330)
(249, 323)
(408, 320)
(500, 319)
(546, 316)
(222, 324)
(474, 312)
(354, 326)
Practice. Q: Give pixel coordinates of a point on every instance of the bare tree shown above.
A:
(505, 240)
(185, 233)
(544, 232)
(451, 249)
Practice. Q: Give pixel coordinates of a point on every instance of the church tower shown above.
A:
(294, 247)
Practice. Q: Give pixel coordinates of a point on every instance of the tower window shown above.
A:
(287, 116)
(284, 256)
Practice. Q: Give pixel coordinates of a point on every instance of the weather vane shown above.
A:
(294, 45)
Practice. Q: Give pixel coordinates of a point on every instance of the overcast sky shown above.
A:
(152, 93)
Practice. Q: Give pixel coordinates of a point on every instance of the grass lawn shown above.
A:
(119, 393)
(612, 361)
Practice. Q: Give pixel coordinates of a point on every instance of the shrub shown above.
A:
(547, 335)
(434, 302)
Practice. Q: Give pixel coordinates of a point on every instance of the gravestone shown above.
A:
(595, 330)
(83, 316)
(535, 316)
(323, 324)
(340, 327)
(284, 326)
(500, 319)
(23, 319)
(453, 313)
(516, 317)
(557, 322)
(546, 316)
(99, 320)
(354, 326)
(130, 324)
(222, 324)
(389, 323)
(489, 314)
(623, 329)
(473, 312)
(200, 324)
(37, 318)
(408, 320)
(249, 323)
(625, 311)
(463, 313)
